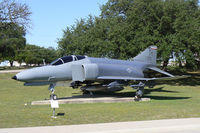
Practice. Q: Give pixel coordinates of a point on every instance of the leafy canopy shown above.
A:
(125, 27)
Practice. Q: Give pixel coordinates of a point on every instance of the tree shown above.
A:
(186, 40)
(14, 12)
(12, 39)
(14, 21)
(126, 27)
(33, 54)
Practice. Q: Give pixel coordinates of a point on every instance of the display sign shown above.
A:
(54, 104)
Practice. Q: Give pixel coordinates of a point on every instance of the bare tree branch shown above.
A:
(13, 12)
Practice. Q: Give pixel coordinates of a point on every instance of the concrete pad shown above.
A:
(89, 99)
(189, 125)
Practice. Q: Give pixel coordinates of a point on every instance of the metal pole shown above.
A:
(54, 110)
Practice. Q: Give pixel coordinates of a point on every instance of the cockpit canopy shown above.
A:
(67, 59)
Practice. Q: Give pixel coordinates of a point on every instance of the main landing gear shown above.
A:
(140, 90)
(52, 90)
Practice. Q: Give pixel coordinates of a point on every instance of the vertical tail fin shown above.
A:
(149, 55)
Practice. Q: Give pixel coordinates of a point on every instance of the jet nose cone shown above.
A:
(14, 77)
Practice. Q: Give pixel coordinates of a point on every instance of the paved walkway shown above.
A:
(11, 71)
(190, 125)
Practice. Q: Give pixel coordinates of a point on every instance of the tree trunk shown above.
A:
(11, 63)
(165, 63)
(180, 64)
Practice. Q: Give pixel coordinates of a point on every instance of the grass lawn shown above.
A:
(174, 99)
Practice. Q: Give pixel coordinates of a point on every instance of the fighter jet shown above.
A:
(95, 74)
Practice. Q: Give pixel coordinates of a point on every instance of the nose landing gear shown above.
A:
(52, 90)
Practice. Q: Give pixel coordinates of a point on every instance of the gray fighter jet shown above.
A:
(95, 74)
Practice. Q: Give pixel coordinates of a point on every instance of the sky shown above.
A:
(50, 17)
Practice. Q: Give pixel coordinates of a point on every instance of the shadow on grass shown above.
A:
(194, 80)
(60, 114)
(129, 94)
(166, 97)
(101, 94)
(160, 89)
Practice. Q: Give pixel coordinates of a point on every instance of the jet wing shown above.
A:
(160, 71)
(140, 79)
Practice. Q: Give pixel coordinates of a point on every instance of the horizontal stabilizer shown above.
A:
(160, 71)
(172, 78)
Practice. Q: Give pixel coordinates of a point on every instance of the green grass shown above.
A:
(175, 99)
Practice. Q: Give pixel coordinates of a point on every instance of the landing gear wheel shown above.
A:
(137, 98)
(53, 97)
(139, 94)
(140, 90)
